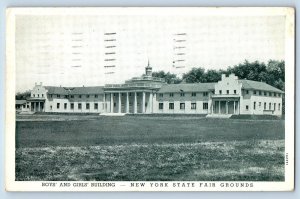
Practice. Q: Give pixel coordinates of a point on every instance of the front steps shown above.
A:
(112, 114)
(226, 116)
(27, 113)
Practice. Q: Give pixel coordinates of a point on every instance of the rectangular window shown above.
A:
(279, 106)
(171, 94)
(265, 93)
(42, 95)
(265, 106)
(247, 92)
(57, 105)
(234, 91)
(72, 106)
(259, 92)
(254, 105)
(182, 105)
(65, 105)
(194, 94)
(220, 91)
(87, 105)
(259, 104)
(279, 94)
(58, 96)
(227, 92)
(161, 106)
(205, 94)
(50, 96)
(161, 94)
(270, 94)
(66, 96)
(38, 95)
(96, 106)
(205, 105)
(96, 96)
(274, 106)
(171, 106)
(33, 95)
(72, 96)
(79, 96)
(115, 104)
(254, 92)
(275, 94)
(87, 96)
(270, 106)
(27, 106)
(181, 94)
(247, 107)
(193, 105)
(79, 106)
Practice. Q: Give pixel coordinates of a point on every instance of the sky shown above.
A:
(70, 50)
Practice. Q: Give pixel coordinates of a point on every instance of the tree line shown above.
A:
(272, 73)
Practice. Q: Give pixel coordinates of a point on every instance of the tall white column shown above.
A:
(135, 103)
(103, 103)
(151, 103)
(219, 107)
(119, 103)
(127, 102)
(111, 102)
(143, 103)
(226, 107)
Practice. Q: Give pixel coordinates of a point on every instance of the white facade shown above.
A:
(152, 95)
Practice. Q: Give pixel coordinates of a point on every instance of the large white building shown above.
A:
(147, 94)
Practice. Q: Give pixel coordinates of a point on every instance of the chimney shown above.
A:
(223, 76)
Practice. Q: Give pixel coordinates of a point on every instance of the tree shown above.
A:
(22, 95)
(169, 77)
(212, 76)
(196, 75)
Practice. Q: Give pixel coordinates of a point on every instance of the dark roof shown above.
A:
(74, 90)
(249, 84)
(197, 87)
(202, 87)
(20, 102)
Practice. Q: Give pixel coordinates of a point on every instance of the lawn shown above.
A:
(149, 148)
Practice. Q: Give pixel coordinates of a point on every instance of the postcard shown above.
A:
(150, 99)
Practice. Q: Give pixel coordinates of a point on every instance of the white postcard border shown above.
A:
(287, 185)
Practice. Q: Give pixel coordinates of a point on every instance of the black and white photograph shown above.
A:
(150, 99)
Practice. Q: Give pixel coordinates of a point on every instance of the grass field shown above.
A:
(148, 148)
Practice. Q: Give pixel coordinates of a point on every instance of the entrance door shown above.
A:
(230, 107)
(223, 107)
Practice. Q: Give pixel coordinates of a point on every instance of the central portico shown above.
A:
(135, 95)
